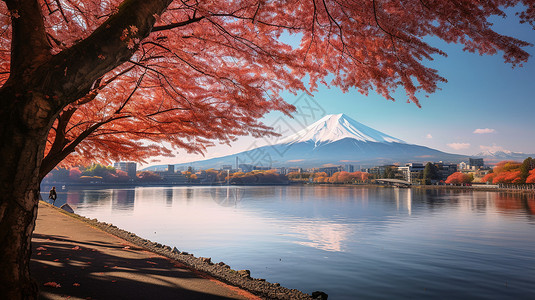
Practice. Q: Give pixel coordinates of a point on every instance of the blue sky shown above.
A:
(482, 93)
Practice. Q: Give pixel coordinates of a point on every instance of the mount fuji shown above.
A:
(332, 140)
(333, 128)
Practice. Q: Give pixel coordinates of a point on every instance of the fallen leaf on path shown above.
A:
(57, 259)
(77, 248)
(75, 284)
(53, 284)
(151, 262)
(41, 249)
(127, 247)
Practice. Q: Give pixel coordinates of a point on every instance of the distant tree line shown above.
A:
(258, 177)
(97, 173)
(323, 177)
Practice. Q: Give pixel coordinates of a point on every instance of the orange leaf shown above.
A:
(53, 284)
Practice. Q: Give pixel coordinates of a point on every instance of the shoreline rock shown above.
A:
(220, 271)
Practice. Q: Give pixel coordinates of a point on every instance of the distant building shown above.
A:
(129, 167)
(171, 169)
(445, 170)
(245, 168)
(411, 171)
(282, 170)
(331, 170)
(476, 162)
(379, 170)
(349, 168)
(463, 166)
(260, 168)
(297, 170)
(173, 177)
(226, 167)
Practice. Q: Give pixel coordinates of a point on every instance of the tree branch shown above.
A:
(69, 75)
(175, 25)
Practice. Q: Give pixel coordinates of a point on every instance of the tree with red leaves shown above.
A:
(531, 177)
(115, 80)
(459, 178)
(505, 172)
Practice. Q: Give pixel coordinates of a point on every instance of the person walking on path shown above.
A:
(53, 195)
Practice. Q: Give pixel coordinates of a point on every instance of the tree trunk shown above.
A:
(16, 227)
(21, 152)
(40, 85)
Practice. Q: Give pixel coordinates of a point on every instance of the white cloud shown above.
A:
(459, 146)
(428, 136)
(484, 130)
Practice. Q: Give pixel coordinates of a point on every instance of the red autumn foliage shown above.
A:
(531, 177)
(489, 177)
(209, 70)
(505, 172)
(52, 284)
(148, 176)
(459, 178)
(507, 177)
(340, 177)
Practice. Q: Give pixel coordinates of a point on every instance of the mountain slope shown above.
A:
(332, 140)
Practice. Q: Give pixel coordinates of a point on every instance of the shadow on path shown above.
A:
(83, 271)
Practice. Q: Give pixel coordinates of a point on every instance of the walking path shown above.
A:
(71, 259)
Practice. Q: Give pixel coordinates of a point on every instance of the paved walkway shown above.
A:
(71, 259)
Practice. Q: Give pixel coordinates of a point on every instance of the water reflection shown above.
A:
(404, 196)
(510, 203)
(404, 200)
(355, 242)
(123, 199)
(227, 196)
(169, 197)
(324, 235)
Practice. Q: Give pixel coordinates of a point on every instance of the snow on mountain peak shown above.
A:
(332, 128)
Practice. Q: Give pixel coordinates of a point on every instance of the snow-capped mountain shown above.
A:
(332, 128)
(492, 157)
(332, 140)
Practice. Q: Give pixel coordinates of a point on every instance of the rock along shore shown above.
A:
(220, 271)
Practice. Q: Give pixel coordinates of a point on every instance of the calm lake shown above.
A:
(350, 242)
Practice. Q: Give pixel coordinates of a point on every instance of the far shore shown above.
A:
(473, 187)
